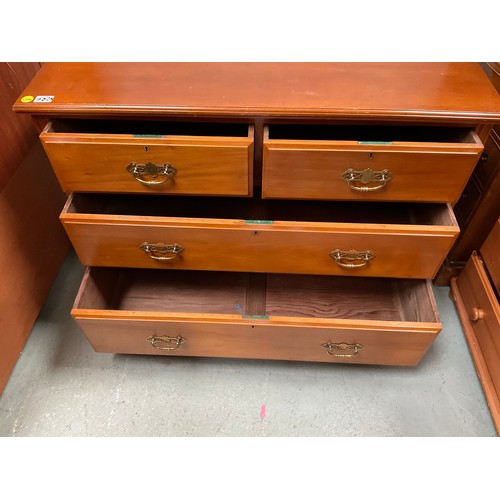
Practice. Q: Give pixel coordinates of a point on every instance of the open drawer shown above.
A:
(240, 234)
(151, 157)
(275, 316)
(377, 162)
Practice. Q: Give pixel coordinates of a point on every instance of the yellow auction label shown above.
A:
(27, 98)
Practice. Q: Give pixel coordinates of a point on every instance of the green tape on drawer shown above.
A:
(369, 143)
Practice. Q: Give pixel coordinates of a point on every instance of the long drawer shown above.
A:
(289, 317)
(239, 234)
(151, 157)
(429, 164)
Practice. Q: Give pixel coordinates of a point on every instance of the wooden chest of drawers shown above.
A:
(276, 211)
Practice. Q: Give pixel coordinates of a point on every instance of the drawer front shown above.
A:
(307, 318)
(484, 313)
(347, 170)
(256, 341)
(490, 252)
(277, 247)
(167, 165)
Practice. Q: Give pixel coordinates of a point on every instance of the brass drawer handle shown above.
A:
(366, 176)
(476, 314)
(342, 347)
(165, 343)
(138, 170)
(167, 252)
(339, 256)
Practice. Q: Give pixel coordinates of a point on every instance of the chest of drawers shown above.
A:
(277, 211)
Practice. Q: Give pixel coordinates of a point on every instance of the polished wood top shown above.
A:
(406, 91)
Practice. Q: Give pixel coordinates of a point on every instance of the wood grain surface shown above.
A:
(16, 132)
(480, 216)
(417, 91)
(32, 242)
(413, 249)
(420, 171)
(490, 252)
(294, 326)
(256, 341)
(489, 388)
(485, 359)
(33, 247)
(478, 295)
(479, 207)
(98, 162)
(270, 317)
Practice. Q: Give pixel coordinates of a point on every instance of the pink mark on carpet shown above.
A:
(262, 412)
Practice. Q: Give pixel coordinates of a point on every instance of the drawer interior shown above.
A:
(152, 128)
(345, 297)
(371, 133)
(249, 209)
(253, 294)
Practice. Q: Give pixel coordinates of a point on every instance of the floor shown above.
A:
(61, 387)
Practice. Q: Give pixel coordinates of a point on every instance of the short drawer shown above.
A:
(240, 234)
(288, 317)
(151, 157)
(428, 164)
(483, 311)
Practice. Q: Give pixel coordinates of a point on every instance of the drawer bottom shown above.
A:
(247, 315)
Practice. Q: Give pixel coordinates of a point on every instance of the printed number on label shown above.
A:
(43, 98)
